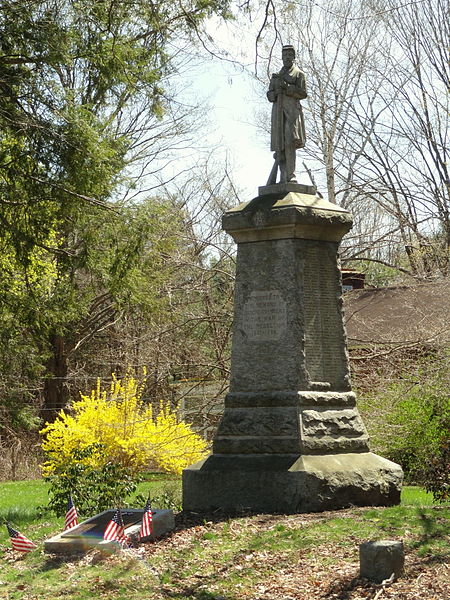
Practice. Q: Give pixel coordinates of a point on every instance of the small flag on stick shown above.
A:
(115, 530)
(147, 521)
(71, 515)
(20, 542)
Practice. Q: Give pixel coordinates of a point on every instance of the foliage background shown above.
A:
(99, 450)
(105, 263)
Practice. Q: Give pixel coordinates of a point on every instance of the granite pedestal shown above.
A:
(291, 438)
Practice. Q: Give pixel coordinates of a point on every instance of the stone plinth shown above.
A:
(382, 559)
(282, 189)
(291, 438)
(290, 483)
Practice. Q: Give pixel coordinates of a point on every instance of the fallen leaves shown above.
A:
(230, 560)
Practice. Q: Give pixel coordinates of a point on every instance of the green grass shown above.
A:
(19, 500)
(23, 497)
(164, 490)
(425, 529)
(415, 496)
(223, 557)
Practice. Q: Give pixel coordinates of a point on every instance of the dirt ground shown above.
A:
(331, 575)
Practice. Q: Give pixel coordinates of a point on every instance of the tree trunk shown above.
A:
(56, 393)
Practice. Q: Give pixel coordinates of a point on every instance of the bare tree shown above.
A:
(377, 120)
(408, 131)
(181, 329)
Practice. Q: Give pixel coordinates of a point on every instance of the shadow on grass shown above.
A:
(20, 515)
(435, 529)
(187, 519)
(192, 592)
(55, 561)
(343, 588)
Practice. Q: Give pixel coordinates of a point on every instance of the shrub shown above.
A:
(435, 475)
(92, 489)
(409, 421)
(108, 439)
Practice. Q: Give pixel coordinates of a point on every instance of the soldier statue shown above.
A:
(286, 90)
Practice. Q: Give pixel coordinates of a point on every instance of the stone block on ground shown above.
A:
(290, 483)
(380, 559)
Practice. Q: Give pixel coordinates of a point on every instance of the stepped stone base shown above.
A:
(290, 483)
(291, 439)
(304, 422)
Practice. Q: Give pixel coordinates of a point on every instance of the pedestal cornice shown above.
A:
(287, 215)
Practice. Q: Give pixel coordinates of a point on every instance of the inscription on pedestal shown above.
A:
(264, 316)
(324, 333)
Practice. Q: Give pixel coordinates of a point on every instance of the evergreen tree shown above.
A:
(81, 93)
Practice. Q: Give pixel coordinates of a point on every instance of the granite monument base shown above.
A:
(291, 438)
(290, 483)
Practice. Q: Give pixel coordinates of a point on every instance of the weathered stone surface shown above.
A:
(328, 399)
(264, 316)
(342, 422)
(256, 445)
(290, 398)
(275, 398)
(291, 438)
(304, 340)
(89, 533)
(281, 189)
(291, 429)
(280, 421)
(290, 483)
(381, 559)
(284, 216)
(325, 343)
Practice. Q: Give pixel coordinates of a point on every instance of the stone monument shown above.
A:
(381, 560)
(291, 438)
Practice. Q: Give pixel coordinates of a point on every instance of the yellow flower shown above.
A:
(128, 431)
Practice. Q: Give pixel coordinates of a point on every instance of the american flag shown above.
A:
(71, 515)
(115, 530)
(19, 541)
(147, 521)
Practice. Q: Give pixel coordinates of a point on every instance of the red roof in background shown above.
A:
(418, 313)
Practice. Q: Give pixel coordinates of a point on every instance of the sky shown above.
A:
(238, 100)
(238, 104)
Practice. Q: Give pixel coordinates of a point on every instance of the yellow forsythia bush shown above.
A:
(129, 433)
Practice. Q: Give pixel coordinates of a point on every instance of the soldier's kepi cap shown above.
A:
(288, 47)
